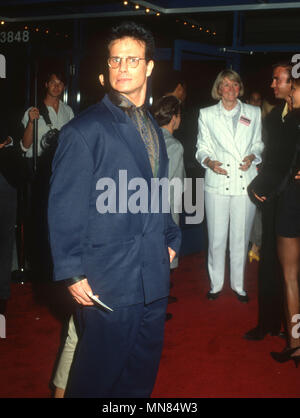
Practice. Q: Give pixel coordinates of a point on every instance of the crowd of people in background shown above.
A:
(250, 154)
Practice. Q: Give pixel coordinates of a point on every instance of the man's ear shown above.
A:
(101, 79)
(150, 66)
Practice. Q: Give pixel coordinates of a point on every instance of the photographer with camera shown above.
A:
(52, 114)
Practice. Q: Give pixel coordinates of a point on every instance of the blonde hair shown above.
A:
(231, 75)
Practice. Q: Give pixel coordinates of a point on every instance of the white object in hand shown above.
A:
(95, 299)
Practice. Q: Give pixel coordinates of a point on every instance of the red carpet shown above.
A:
(204, 353)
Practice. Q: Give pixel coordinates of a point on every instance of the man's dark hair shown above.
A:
(58, 74)
(287, 66)
(165, 108)
(136, 31)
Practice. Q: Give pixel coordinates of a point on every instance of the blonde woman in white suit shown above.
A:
(229, 147)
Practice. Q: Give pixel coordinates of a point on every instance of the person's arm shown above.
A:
(175, 155)
(204, 153)
(27, 140)
(68, 211)
(173, 236)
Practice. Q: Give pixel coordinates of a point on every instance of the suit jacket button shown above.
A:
(241, 177)
(228, 165)
(228, 177)
(227, 188)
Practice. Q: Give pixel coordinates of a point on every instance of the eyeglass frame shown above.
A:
(118, 66)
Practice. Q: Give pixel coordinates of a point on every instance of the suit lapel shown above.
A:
(129, 134)
(242, 130)
(163, 156)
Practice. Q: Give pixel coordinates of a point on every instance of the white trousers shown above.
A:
(234, 214)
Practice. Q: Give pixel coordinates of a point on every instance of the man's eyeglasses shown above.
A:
(131, 62)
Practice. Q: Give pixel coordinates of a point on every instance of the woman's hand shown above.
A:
(215, 166)
(247, 162)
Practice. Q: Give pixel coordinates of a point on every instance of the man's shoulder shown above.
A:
(96, 113)
(65, 106)
(170, 139)
(276, 112)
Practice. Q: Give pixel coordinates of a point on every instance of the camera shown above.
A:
(49, 139)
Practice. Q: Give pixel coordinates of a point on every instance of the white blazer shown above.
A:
(218, 142)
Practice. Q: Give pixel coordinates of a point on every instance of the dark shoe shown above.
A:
(286, 355)
(280, 334)
(242, 298)
(172, 299)
(255, 334)
(168, 316)
(212, 296)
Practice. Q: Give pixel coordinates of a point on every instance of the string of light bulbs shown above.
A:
(185, 22)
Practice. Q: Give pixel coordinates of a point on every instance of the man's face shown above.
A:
(295, 93)
(181, 92)
(280, 84)
(54, 86)
(131, 82)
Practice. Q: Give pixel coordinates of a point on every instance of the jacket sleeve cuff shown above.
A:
(24, 149)
(257, 160)
(73, 280)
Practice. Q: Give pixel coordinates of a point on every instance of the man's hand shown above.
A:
(33, 114)
(247, 162)
(6, 142)
(260, 198)
(215, 166)
(297, 176)
(172, 254)
(78, 291)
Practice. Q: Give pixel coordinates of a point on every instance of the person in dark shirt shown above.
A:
(278, 179)
(270, 290)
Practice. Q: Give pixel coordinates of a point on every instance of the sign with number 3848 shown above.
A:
(10, 36)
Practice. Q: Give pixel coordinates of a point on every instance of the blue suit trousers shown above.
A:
(118, 352)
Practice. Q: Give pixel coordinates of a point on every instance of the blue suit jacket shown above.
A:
(123, 255)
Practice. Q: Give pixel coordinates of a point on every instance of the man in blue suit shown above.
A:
(99, 245)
